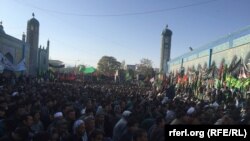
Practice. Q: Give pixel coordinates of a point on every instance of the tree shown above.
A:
(108, 65)
(145, 68)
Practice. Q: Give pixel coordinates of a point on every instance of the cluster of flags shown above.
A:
(233, 75)
(237, 83)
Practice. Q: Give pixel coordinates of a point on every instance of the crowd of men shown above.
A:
(39, 110)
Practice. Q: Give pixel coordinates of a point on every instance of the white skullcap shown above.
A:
(77, 124)
(165, 100)
(58, 114)
(15, 93)
(215, 105)
(190, 111)
(83, 111)
(99, 111)
(126, 113)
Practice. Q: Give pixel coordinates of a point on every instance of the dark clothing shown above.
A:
(7, 138)
(109, 124)
(170, 92)
(127, 136)
(157, 134)
(75, 138)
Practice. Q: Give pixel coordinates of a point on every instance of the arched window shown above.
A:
(9, 57)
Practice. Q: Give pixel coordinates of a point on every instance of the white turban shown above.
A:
(58, 114)
(77, 124)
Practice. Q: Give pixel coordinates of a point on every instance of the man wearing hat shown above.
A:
(121, 125)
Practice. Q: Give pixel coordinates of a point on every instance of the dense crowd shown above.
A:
(40, 110)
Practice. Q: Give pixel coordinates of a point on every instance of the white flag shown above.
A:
(152, 79)
(21, 66)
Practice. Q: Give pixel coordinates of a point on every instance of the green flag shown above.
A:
(217, 83)
(246, 83)
(87, 70)
(81, 69)
(238, 84)
(228, 80)
(128, 77)
(233, 81)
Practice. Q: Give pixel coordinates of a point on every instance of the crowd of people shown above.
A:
(35, 110)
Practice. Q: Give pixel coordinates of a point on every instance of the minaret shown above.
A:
(47, 49)
(23, 46)
(48, 42)
(1, 28)
(33, 40)
(165, 49)
(23, 37)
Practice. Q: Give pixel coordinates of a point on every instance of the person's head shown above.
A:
(126, 114)
(94, 102)
(79, 127)
(140, 135)
(117, 109)
(49, 103)
(67, 108)
(89, 104)
(58, 115)
(71, 114)
(107, 107)
(160, 121)
(61, 125)
(21, 111)
(99, 118)
(123, 104)
(36, 116)
(27, 120)
(89, 123)
(96, 135)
